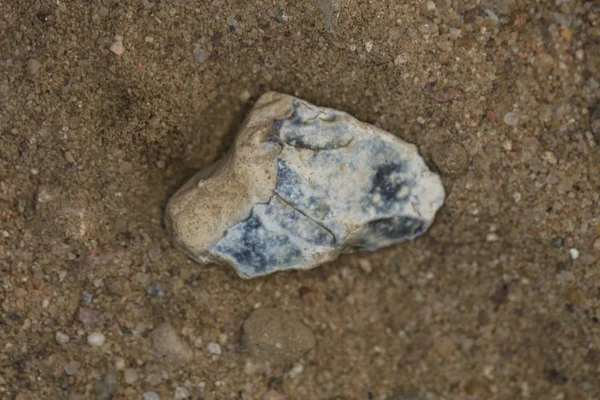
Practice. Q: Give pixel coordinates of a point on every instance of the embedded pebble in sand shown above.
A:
(301, 185)
(273, 335)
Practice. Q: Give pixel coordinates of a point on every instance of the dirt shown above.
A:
(107, 107)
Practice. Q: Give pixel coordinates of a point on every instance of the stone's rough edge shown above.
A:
(262, 134)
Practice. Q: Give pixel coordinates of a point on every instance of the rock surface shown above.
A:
(300, 185)
(273, 336)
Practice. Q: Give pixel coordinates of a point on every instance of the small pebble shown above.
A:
(557, 242)
(96, 339)
(213, 348)
(130, 376)
(549, 157)
(181, 393)
(117, 46)
(451, 158)
(574, 253)
(400, 59)
(491, 237)
(168, 345)
(120, 363)
(511, 119)
(199, 54)
(150, 396)
(61, 338)
(244, 96)
(72, 368)
(295, 371)
(596, 245)
(34, 66)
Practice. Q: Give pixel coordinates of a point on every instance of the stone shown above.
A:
(301, 185)
(61, 338)
(96, 339)
(273, 336)
(168, 345)
(181, 393)
(213, 348)
(34, 66)
(150, 396)
(451, 158)
(72, 368)
(130, 376)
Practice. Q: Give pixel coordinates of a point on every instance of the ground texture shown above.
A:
(107, 107)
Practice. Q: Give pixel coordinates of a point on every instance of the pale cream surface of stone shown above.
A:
(202, 210)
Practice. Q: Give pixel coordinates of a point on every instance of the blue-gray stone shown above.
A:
(300, 185)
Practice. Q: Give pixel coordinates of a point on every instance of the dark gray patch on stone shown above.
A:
(313, 129)
(387, 230)
(275, 235)
(297, 191)
(389, 181)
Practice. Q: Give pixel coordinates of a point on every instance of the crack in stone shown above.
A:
(335, 240)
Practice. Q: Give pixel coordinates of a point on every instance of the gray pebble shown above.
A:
(34, 66)
(72, 368)
(150, 396)
(130, 376)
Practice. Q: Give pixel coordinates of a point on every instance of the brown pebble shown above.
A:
(451, 158)
(477, 389)
(274, 336)
(168, 345)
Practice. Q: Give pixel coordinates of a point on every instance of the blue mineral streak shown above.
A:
(318, 210)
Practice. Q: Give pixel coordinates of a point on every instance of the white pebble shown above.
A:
(96, 339)
(369, 46)
(296, 370)
(213, 348)
(430, 5)
(181, 393)
(511, 119)
(130, 376)
(61, 338)
(549, 157)
(117, 46)
(491, 237)
(120, 363)
(399, 60)
(62, 274)
(151, 396)
(574, 253)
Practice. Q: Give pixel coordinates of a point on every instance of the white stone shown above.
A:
(574, 253)
(301, 185)
(61, 338)
(150, 396)
(96, 339)
(130, 376)
(213, 348)
(181, 393)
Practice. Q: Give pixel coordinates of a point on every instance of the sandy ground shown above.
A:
(499, 300)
